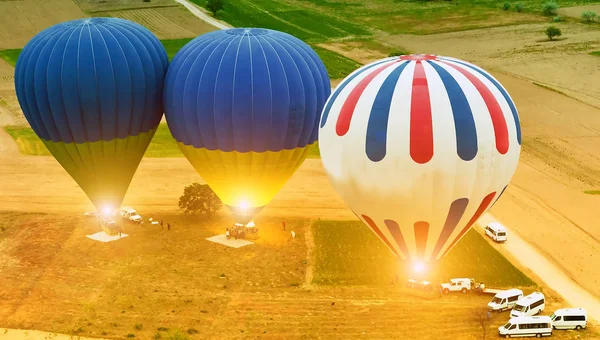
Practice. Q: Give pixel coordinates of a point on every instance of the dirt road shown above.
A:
(20, 334)
(552, 276)
(203, 16)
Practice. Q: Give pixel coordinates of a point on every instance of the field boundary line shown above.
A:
(310, 254)
(99, 11)
(546, 87)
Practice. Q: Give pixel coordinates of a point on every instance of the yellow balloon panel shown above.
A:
(103, 169)
(245, 178)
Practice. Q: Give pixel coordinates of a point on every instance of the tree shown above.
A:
(550, 8)
(480, 316)
(506, 6)
(199, 198)
(553, 32)
(588, 16)
(214, 6)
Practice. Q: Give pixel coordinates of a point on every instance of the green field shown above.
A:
(320, 20)
(348, 253)
(337, 65)
(595, 53)
(10, 56)
(163, 144)
(592, 192)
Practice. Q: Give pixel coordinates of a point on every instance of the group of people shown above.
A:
(236, 232)
(162, 225)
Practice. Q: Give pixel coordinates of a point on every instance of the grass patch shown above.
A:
(337, 65)
(592, 192)
(595, 53)
(348, 253)
(11, 56)
(174, 45)
(548, 88)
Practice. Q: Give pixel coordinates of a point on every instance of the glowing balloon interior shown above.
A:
(244, 106)
(419, 147)
(91, 90)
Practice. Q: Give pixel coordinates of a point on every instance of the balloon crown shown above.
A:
(247, 31)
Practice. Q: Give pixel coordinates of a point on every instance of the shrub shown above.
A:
(138, 326)
(506, 6)
(550, 8)
(588, 16)
(398, 53)
(558, 18)
(519, 7)
(131, 335)
(553, 32)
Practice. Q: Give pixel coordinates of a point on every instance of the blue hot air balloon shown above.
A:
(91, 89)
(244, 106)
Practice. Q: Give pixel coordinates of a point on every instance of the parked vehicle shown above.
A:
(569, 318)
(457, 285)
(537, 326)
(131, 215)
(496, 231)
(505, 300)
(531, 304)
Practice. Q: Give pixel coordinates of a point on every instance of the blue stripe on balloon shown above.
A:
(513, 109)
(501, 192)
(341, 87)
(375, 146)
(464, 124)
(457, 209)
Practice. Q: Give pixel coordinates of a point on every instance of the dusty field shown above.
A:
(176, 280)
(166, 22)
(21, 20)
(575, 12)
(525, 52)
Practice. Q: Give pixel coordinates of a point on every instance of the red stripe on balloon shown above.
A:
(378, 232)
(343, 123)
(421, 125)
(500, 127)
(421, 232)
(482, 208)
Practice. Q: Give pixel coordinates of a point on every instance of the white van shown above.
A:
(569, 318)
(531, 304)
(505, 300)
(496, 231)
(537, 326)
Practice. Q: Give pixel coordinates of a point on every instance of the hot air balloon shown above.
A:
(244, 106)
(91, 89)
(419, 147)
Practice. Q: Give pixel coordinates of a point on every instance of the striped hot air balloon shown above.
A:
(419, 147)
(91, 89)
(244, 106)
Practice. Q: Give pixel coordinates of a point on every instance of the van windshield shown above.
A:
(507, 326)
(501, 233)
(553, 316)
(496, 300)
(520, 308)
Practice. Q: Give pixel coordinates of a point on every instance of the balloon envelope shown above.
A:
(244, 106)
(91, 89)
(420, 147)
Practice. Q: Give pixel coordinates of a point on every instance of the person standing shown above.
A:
(169, 226)
(162, 224)
(283, 224)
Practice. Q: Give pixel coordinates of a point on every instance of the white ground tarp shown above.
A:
(222, 239)
(104, 237)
